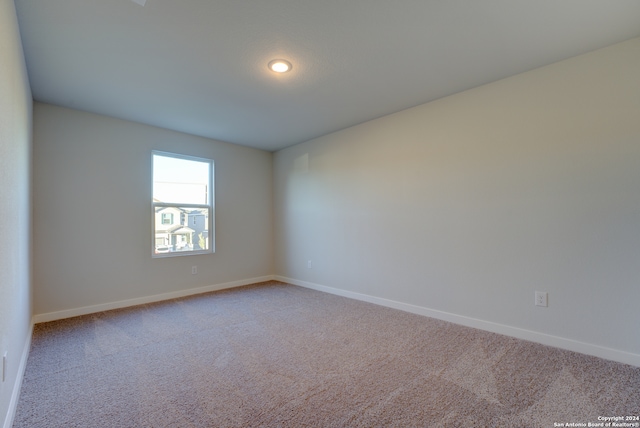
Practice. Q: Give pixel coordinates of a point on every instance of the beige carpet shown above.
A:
(276, 355)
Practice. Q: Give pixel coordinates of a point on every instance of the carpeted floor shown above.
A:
(277, 355)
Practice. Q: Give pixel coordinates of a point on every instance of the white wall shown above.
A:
(15, 206)
(90, 169)
(469, 204)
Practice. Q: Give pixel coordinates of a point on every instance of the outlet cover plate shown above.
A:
(542, 298)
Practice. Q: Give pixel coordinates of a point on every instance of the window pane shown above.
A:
(181, 181)
(187, 231)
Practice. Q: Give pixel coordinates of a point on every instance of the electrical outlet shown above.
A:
(541, 298)
(194, 270)
(309, 264)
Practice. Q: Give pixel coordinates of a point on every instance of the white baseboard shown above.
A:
(532, 336)
(17, 386)
(68, 313)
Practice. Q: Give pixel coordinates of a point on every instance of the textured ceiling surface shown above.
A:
(200, 66)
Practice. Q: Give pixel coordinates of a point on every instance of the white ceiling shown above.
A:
(200, 66)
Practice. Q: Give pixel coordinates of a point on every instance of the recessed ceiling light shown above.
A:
(280, 66)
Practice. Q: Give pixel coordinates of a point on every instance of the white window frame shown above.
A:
(210, 207)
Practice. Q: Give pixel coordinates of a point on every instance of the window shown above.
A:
(182, 204)
(167, 218)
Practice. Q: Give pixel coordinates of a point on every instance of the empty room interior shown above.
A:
(429, 216)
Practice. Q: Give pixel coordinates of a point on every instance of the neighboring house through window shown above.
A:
(182, 205)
